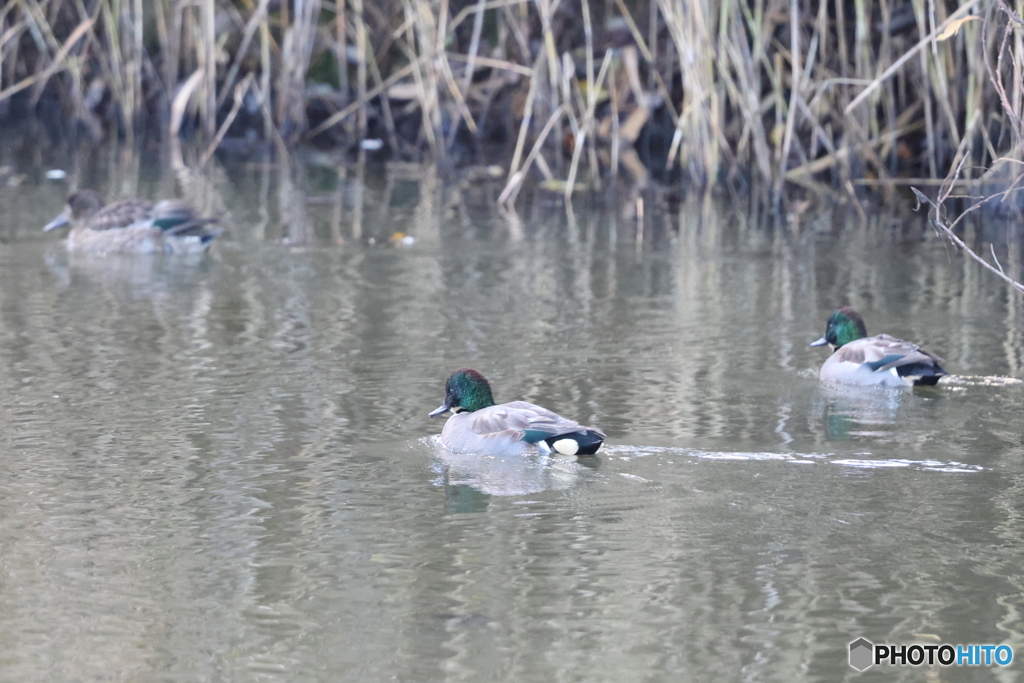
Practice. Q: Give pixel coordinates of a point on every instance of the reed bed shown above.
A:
(823, 95)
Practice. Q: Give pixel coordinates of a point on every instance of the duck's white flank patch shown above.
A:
(566, 446)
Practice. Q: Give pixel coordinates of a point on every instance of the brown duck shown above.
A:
(134, 226)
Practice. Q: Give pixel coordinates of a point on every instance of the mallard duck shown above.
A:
(879, 360)
(133, 226)
(480, 426)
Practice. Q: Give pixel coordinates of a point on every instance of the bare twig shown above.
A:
(946, 231)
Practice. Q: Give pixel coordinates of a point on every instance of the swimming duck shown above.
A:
(478, 425)
(882, 360)
(133, 226)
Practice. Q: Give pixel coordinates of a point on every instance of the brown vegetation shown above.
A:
(823, 94)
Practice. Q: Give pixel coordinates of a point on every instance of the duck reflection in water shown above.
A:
(851, 412)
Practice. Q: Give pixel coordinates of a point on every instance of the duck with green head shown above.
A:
(479, 426)
(134, 226)
(879, 360)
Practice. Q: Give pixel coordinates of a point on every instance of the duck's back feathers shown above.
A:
(120, 215)
(882, 359)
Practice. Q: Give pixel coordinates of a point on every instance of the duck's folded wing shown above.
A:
(533, 421)
(199, 227)
(121, 214)
(883, 352)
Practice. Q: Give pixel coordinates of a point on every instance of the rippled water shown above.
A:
(224, 469)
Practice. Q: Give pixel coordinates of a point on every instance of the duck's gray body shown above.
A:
(881, 360)
(478, 425)
(513, 429)
(873, 361)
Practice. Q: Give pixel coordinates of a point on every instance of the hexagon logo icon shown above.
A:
(861, 654)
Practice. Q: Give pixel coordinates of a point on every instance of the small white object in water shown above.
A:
(400, 239)
(371, 144)
(56, 174)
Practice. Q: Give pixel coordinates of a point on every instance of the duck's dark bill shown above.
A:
(57, 222)
(819, 342)
(443, 408)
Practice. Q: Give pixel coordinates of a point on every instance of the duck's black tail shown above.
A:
(580, 442)
(922, 374)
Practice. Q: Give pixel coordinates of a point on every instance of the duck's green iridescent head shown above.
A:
(465, 390)
(844, 326)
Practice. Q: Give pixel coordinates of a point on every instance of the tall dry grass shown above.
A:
(825, 94)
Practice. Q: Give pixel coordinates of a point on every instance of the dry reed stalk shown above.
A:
(39, 29)
(493, 63)
(474, 44)
(1011, 110)
(446, 71)
(356, 106)
(724, 55)
(688, 26)
(568, 70)
(257, 19)
(389, 121)
(794, 96)
(172, 59)
(420, 33)
(180, 102)
(361, 49)
(613, 92)
(240, 91)
(471, 10)
(167, 78)
(864, 94)
(545, 10)
(341, 49)
(524, 127)
(268, 120)
(514, 26)
(940, 83)
(641, 44)
(208, 59)
(296, 51)
(844, 153)
(592, 88)
(136, 58)
(57, 64)
(587, 126)
(515, 181)
(113, 64)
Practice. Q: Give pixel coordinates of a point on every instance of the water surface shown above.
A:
(223, 469)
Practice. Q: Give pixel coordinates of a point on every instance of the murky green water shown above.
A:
(224, 471)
